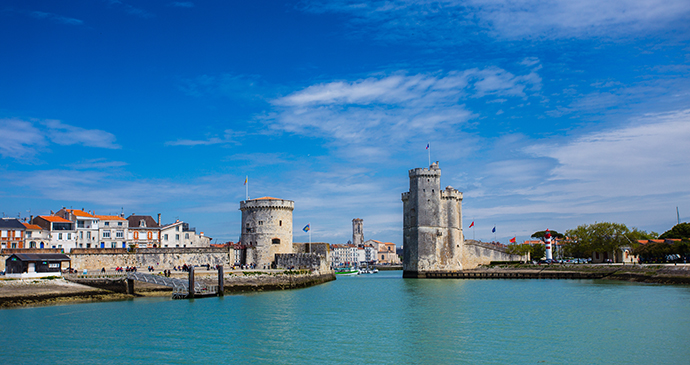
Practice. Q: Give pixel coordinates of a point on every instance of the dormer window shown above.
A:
(142, 223)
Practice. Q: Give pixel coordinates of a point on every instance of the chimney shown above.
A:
(31, 219)
(159, 219)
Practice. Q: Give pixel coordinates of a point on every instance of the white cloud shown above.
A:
(56, 18)
(229, 137)
(20, 139)
(388, 111)
(452, 20)
(64, 134)
(24, 139)
(636, 174)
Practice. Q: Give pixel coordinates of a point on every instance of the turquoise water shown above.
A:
(377, 319)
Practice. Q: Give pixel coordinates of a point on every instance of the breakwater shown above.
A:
(660, 274)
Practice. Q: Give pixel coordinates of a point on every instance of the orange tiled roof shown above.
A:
(657, 241)
(79, 213)
(54, 218)
(109, 217)
(31, 226)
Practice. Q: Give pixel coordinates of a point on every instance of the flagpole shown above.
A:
(428, 145)
(473, 228)
(309, 237)
(246, 188)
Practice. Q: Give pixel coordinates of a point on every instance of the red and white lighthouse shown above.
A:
(547, 241)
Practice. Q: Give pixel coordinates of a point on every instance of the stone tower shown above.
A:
(432, 225)
(357, 231)
(266, 229)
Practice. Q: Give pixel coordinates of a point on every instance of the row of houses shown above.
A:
(369, 252)
(73, 228)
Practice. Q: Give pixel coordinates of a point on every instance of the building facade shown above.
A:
(35, 236)
(144, 231)
(266, 229)
(179, 234)
(113, 231)
(86, 226)
(11, 233)
(61, 231)
(432, 224)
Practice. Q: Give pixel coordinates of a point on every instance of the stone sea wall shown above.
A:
(159, 258)
(477, 253)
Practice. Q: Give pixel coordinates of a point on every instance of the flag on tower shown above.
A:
(306, 228)
(471, 224)
(427, 146)
(245, 180)
(493, 230)
(513, 240)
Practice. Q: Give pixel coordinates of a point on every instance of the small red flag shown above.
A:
(513, 240)
(471, 224)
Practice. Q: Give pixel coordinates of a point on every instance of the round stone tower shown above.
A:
(266, 229)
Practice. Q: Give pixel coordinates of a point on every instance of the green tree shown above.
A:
(538, 251)
(681, 230)
(637, 234)
(599, 237)
(518, 249)
(541, 234)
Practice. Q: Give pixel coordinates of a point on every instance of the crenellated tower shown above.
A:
(357, 231)
(432, 224)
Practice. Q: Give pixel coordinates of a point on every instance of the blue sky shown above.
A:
(545, 114)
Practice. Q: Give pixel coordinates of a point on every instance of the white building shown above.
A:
(179, 234)
(86, 226)
(62, 233)
(344, 255)
(113, 231)
(35, 236)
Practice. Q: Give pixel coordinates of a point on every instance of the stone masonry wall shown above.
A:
(310, 261)
(159, 258)
(477, 253)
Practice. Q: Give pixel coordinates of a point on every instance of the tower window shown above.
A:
(280, 223)
(275, 241)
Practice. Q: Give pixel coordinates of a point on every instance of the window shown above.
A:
(88, 235)
(177, 229)
(59, 236)
(3, 234)
(28, 234)
(165, 237)
(276, 241)
(106, 234)
(106, 224)
(280, 223)
(14, 245)
(81, 234)
(119, 224)
(113, 244)
(32, 244)
(80, 224)
(177, 237)
(186, 236)
(261, 223)
(69, 236)
(120, 234)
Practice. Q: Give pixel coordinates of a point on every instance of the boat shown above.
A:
(346, 271)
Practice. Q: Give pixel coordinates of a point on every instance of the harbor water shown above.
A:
(372, 319)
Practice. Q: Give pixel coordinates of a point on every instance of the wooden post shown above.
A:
(130, 286)
(191, 282)
(221, 289)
